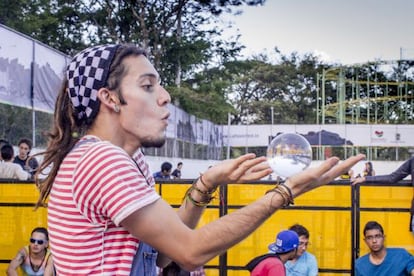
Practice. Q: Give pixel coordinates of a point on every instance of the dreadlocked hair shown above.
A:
(61, 139)
(68, 129)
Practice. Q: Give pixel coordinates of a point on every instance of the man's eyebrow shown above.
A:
(150, 75)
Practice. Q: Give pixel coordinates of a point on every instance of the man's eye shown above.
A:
(147, 87)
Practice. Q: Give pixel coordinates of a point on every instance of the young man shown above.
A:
(103, 208)
(29, 165)
(165, 172)
(282, 250)
(382, 261)
(176, 174)
(33, 259)
(304, 263)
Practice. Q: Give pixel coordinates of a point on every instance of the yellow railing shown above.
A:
(335, 224)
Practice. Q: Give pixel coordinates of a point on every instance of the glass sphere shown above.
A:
(288, 154)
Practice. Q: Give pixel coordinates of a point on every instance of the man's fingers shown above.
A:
(345, 165)
(250, 165)
(315, 173)
(323, 174)
(255, 175)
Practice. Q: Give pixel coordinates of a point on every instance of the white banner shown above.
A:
(16, 56)
(334, 135)
(49, 67)
(23, 62)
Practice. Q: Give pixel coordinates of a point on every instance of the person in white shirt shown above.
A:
(8, 169)
(2, 142)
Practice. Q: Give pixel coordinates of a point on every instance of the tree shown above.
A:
(58, 24)
(288, 86)
(182, 37)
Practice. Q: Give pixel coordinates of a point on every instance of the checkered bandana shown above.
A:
(86, 74)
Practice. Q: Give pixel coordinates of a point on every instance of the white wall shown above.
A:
(192, 168)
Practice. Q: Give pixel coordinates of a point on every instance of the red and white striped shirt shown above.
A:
(97, 186)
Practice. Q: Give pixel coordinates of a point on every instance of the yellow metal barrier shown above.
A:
(327, 213)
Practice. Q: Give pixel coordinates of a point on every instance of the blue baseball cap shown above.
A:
(286, 241)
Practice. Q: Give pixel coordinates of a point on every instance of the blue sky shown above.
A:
(343, 31)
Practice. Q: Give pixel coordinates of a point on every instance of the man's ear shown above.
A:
(108, 98)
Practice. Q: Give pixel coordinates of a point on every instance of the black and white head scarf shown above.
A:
(87, 73)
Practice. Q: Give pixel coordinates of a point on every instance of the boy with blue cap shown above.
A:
(282, 250)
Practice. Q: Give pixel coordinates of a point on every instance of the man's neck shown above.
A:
(38, 255)
(378, 257)
(294, 260)
(285, 257)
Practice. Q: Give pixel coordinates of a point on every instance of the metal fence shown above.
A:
(334, 215)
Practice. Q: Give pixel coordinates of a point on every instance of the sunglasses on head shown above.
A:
(39, 242)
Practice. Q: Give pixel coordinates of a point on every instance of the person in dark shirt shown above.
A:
(176, 174)
(23, 158)
(381, 261)
(165, 172)
(407, 168)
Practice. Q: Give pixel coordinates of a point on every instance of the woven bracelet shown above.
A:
(286, 197)
(205, 186)
(200, 191)
(195, 202)
(289, 191)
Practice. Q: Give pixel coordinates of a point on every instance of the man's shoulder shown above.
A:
(11, 165)
(397, 251)
(362, 259)
(251, 265)
(98, 148)
(308, 256)
(157, 175)
(17, 159)
(94, 154)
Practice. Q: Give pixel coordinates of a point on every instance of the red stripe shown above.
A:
(77, 224)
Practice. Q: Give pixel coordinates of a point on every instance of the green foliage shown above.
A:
(199, 68)
(255, 85)
(17, 123)
(59, 24)
(204, 104)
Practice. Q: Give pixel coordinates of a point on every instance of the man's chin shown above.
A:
(154, 143)
(376, 248)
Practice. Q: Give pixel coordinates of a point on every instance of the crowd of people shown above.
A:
(21, 166)
(165, 172)
(101, 193)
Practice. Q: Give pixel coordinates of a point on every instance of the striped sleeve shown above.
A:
(109, 185)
